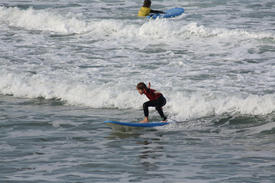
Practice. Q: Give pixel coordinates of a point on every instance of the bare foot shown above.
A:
(164, 121)
(145, 120)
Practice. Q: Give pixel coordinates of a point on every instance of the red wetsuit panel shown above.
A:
(151, 95)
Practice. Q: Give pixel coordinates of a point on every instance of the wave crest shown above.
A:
(160, 29)
(181, 105)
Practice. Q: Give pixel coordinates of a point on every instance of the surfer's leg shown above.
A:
(161, 101)
(146, 105)
(146, 111)
(145, 108)
(160, 111)
(160, 104)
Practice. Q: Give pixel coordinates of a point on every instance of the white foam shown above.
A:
(186, 106)
(161, 29)
(75, 94)
(112, 85)
(41, 20)
(181, 105)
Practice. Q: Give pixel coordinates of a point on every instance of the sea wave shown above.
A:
(181, 105)
(49, 20)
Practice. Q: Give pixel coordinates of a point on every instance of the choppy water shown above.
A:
(67, 66)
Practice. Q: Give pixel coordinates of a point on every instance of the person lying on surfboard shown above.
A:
(145, 10)
(156, 99)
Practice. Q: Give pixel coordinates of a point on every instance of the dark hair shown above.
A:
(147, 3)
(142, 86)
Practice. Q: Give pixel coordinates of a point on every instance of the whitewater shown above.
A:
(215, 65)
(223, 65)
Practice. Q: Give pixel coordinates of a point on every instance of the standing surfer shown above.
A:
(156, 99)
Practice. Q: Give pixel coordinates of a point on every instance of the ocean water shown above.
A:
(66, 66)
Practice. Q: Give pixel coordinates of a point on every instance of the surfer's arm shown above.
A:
(149, 85)
(157, 92)
(156, 11)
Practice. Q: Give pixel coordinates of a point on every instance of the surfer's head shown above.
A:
(147, 3)
(141, 87)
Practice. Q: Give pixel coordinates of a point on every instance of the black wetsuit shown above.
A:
(156, 11)
(158, 104)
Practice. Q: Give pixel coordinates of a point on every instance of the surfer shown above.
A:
(145, 10)
(156, 99)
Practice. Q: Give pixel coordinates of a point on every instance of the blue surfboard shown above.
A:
(143, 125)
(167, 14)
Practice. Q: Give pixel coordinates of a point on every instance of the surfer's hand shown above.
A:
(149, 85)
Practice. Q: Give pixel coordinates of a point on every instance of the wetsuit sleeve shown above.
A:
(156, 11)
